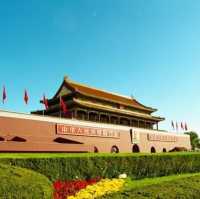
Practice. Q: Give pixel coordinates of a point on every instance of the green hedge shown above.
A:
(172, 187)
(70, 166)
(22, 183)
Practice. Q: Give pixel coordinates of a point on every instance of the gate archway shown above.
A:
(114, 149)
(135, 148)
(153, 150)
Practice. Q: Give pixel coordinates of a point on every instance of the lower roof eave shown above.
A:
(104, 108)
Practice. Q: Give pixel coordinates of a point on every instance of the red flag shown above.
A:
(172, 125)
(186, 128)
(176, 126)
(26, 96)
(63, 105)
(4, 94)
(45, 102)
(182, 127)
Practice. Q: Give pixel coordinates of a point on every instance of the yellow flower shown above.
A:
(101, 188)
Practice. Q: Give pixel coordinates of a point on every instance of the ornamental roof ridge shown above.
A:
(102, 90)
(74, 83)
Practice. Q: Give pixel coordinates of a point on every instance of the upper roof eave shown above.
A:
(77, 87)
(65, 82)
(81, 88)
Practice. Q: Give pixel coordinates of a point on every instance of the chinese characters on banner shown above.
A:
(161, 138)
(87, 131)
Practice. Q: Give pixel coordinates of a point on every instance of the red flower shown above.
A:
(68, 188)
(58, 185)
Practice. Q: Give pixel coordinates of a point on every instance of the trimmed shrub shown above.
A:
(180, 187)
(85, 166)
(22, 183)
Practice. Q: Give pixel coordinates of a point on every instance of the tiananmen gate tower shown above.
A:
(91, 104)
(94, 121)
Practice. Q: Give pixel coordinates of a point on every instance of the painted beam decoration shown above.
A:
(86, 131)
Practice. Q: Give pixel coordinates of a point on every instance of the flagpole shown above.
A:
(4, 94)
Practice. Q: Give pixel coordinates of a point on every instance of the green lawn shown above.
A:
(132, 184)
(185, 186)
(22, 183)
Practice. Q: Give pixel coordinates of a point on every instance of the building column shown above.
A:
(118, 120)
(130, 122)
(151, 125)
(87, 115)
(74, 114)
(109, 119)
(98, 116)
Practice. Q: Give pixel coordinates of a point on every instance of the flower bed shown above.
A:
(101, 188)
(63, 189)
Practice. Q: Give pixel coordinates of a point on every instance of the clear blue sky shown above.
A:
(147, 48)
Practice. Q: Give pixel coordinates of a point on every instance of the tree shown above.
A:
(194, 139)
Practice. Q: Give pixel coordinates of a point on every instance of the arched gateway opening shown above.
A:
(135, 148)
(153, 150)
(114, 149)
(96, 150)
